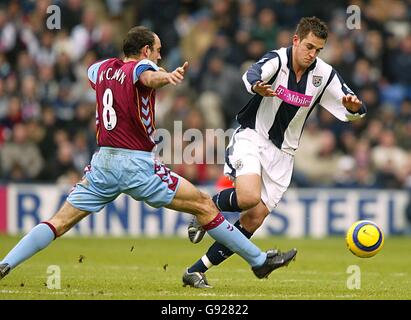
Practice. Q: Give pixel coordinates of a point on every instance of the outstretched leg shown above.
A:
(189, 199)
(41, 236)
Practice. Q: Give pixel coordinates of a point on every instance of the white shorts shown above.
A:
(250, 153)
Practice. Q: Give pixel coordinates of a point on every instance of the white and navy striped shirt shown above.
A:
(281, 119)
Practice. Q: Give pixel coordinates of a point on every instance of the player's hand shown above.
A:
(351, 103)
(177, 76)
(264, 89)
(182, 70)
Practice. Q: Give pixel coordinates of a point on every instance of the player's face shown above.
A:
(307, 49)
(154, 55)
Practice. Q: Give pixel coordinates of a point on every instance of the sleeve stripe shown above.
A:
(142, 66)
(255, 71)
(247, 84)
(93, 70)
(344, 86)
(261, 69)
(346, 91)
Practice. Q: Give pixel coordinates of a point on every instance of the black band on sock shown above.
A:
(226, 200)
(243, 231)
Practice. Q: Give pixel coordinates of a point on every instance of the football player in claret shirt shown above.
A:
(286, 84)
(125, 163)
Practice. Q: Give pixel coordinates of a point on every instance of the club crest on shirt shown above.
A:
(238, 165)
(317, 80)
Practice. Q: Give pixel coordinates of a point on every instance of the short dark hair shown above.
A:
(311, 24)
(137, 38)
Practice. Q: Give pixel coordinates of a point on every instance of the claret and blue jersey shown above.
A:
(125, 162)
(125, 107)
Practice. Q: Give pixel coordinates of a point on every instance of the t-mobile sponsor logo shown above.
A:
(292, 97)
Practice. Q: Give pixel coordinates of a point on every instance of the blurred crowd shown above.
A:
(47, 108)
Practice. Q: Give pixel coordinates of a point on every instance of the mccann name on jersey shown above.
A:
(111, 74)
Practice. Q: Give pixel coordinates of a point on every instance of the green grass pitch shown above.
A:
(151, 269)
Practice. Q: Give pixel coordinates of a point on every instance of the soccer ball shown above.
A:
(364, 239)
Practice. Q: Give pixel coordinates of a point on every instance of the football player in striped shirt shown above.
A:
(286, 85)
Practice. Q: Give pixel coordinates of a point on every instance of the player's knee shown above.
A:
(251, 222)
(205, 197)
(248, 201)
(206, 206)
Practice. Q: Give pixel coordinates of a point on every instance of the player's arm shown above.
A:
(340, 100)
(257, 76)
(160, 78)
